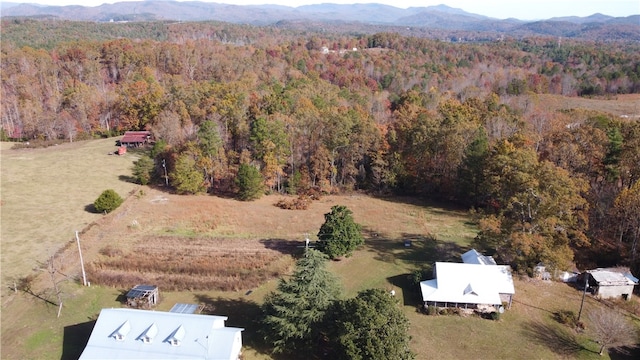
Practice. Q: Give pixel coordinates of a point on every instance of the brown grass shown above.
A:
(187, 264)
(618, 105)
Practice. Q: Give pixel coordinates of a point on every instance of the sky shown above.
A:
(500, 9)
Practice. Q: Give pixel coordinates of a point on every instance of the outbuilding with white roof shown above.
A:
(123, 333)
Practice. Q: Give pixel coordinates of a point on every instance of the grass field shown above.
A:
(31, 330)
(45, 193)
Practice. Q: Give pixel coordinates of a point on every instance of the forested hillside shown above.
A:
(339, 112)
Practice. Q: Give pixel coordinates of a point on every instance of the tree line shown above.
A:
(251, 110)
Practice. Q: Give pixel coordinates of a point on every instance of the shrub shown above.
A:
(566, 317)
(495, 315)
(432, 310)
(300, 203)
(110, 251)
(108, 201)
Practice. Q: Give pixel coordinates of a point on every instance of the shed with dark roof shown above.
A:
(135, 138)
(143, 296)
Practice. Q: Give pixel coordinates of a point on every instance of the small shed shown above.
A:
(135, 138)
(143, 296)
(609, 283)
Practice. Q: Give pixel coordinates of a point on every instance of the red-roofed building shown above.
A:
(135, 138)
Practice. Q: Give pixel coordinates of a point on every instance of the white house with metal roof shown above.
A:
(470, 286)
(143, 334)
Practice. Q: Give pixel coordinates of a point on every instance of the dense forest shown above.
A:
(384, 113)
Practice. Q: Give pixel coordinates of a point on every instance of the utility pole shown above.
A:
(584, 293)
(84, 275)
(166, 178)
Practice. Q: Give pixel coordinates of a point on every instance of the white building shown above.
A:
(470, 286)
(474, 257)
(607, 283)
(143, 334)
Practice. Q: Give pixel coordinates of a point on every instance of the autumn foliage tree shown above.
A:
(539, 214)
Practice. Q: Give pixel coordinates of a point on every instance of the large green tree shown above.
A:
(294, 312)
(250, 184)
(185, 177)
(370, 326)
(143, 169)
(340, 234)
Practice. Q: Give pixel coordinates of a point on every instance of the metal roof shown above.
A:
(610, 278)
(143, 334)
(468, 283)
(135, 136)
(184, 308)
(474, 257)
(141, 290)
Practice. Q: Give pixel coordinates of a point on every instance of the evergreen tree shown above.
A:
(294, 312)
(470, 172)
(340, 234)
(370, 326)
(108, 201)
(249, 182)
(143, 170)
(185, 177)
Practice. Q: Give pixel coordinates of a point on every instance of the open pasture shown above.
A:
(45, 194)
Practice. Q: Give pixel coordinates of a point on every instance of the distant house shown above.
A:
(135, 138)
(144, 334)
(469, 286)
(608, 283)
(474, 257)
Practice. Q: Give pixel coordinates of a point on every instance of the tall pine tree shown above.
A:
(293, 313)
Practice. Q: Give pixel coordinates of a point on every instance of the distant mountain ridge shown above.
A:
(440, 17)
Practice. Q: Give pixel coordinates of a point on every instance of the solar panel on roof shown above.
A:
(140, 290)
(184, 308)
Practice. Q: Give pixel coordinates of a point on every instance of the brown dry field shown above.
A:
(167, 228)
(625, 105)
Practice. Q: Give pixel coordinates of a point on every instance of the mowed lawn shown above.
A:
(45, 194)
